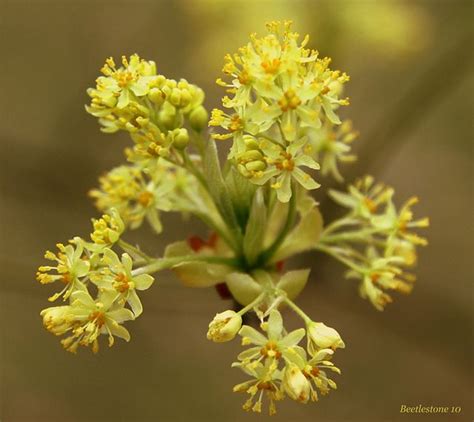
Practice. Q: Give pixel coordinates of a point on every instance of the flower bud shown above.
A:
(167, 116)
(323, 337)
(243, 171)
(156, 96)
(55, 319)
(224, 327)
(175, 97)
(296, 385)
(185, 98)
(198, 118)
(250, 142)
(181, 138)
(143, 121)
(164, 152)
(257, 165)
(251, 155)
(109, 101)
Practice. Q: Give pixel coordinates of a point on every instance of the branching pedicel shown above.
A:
(282, 121)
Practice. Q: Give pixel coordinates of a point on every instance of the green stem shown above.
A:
(272, 140)
(297, 309)
(252, 304)
(194, 170)
(165, 263)
(352, 235)
(290, 219)
(335, 255)
(129, 247)
(189, 165)
(346, 221)
(218, 191)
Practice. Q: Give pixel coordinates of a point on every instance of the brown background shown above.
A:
(411, 100)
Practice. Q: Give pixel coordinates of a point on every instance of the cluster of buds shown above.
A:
(152, 108)
(374, 239)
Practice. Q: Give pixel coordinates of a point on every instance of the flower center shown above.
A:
(371, 205)
(145, 198)
(286, 163)
(271, 66)
(235, 123)
(123, 78)
(98, 318)
(122, 283)
(289, 101)
(270, 350)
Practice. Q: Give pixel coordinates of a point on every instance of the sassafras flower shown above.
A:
(315, 371)
(398, 223)
(364, 197)
(71, 267)
(135, 195)
(272, 346)
(107, 229)
(117, 275)
(331, 146)
(118, 87)
(283, 165)
(382, 275)
(86, 319)
(281, 113)
(265, 382)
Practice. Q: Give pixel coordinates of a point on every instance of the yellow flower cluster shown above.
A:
(82, 264)
(140, 194)
(152, 108)
(284, 96)
(374, 239)
(331, 146)
(281, 114)
(280, 368)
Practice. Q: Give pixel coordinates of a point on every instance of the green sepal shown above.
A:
(243, 287)
(303, 237)
(293, 282)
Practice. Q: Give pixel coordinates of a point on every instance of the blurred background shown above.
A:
(411, 99)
